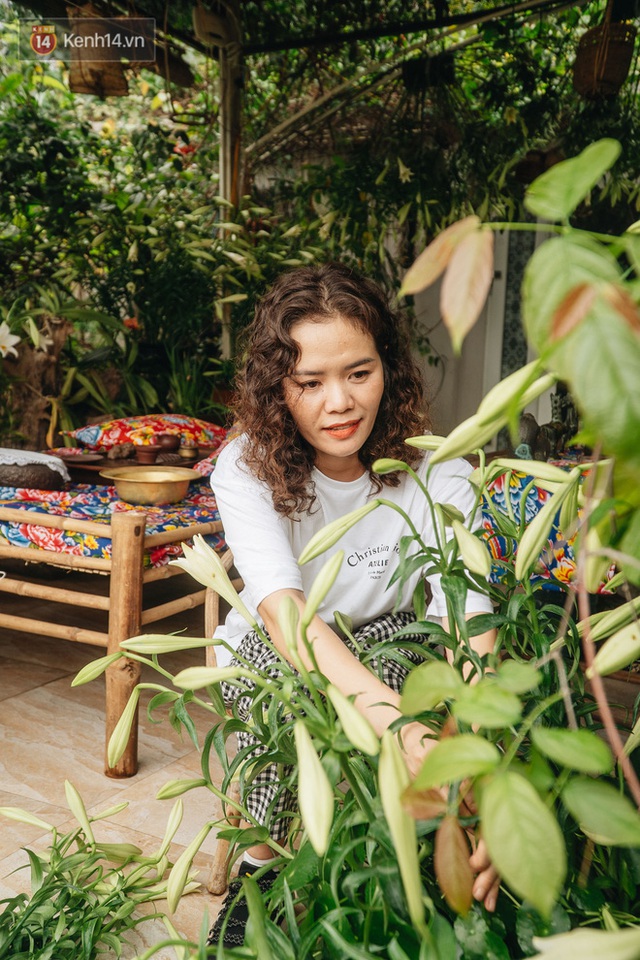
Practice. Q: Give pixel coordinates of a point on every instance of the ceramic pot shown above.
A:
(168, 442)
(147, 454)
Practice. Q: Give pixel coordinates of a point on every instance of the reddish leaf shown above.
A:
(624, 305)
(451, 863)
(572, 310)
(434, 259)
(466, 284)
(423, 804)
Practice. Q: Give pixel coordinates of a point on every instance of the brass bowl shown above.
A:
(150, 486)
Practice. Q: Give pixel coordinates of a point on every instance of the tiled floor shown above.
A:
(51, 732)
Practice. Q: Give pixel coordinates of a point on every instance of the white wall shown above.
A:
(457, 384)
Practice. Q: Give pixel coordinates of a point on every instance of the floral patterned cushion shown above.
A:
(143, 431)
(206, 467)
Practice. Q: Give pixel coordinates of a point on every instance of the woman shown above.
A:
(328, 387)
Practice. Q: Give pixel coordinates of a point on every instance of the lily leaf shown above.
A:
(576, 749)
(466, 284)
(603, 812)
(519, 828)
(556, 194)
(457, 758)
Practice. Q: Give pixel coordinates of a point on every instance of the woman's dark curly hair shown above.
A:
(276, 452)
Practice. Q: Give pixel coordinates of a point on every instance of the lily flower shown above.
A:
(8, 340)
(205, 566)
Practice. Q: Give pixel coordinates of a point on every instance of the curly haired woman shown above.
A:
(328, 387)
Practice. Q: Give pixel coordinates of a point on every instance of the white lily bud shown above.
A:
(330, 534)
(468, 436)
(23, 816)
(387, 465)
(195, 678)
(315, 793)
(120, 736)
(393, 778)
(154, 643)
(498, 399)
(321, 586)
(357, 728)
(428, 442)
(617, 652)
(78, 809)
(474, 553)
(94, 669)
(174, 821)
(179, 875)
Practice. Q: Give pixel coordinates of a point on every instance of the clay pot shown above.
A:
(168, 442)
(147, 454)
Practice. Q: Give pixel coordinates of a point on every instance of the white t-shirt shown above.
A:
(266, 544)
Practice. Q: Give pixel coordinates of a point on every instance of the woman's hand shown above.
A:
(487, 882)
(416, 741)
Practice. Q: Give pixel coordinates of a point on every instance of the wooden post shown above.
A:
(231, 73)
(125, 616)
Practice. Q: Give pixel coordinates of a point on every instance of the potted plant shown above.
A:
(379, 869)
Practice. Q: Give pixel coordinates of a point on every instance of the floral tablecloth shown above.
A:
(85, 501)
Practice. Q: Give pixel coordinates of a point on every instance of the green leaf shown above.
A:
(576, 749)
(520, 831)
(487, 705)
(477, 940)
(456, 758)
(428, 685)
(530, 924)
(517, 677)
(558, 266)
(602, 812)
(606, 351)
(256, 934)
(37, 873)
(557, 193)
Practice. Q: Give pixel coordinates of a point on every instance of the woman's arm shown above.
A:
(375, 700)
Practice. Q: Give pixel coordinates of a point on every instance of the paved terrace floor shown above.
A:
(51, 732)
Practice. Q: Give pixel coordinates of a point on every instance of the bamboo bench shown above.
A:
(127, 614)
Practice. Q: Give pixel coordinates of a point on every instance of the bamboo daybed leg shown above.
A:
(211, 620)
(125, 613)
(219, 876)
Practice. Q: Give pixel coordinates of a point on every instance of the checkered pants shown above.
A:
(266, 799)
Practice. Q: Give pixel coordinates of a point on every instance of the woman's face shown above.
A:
(334, 392)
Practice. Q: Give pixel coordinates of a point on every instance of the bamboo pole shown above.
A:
(60, 630)
(78, 598)
(178, 535)
(37, 555)
(163, 610)
(162, 573)
(125, 615)
(211, 621)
